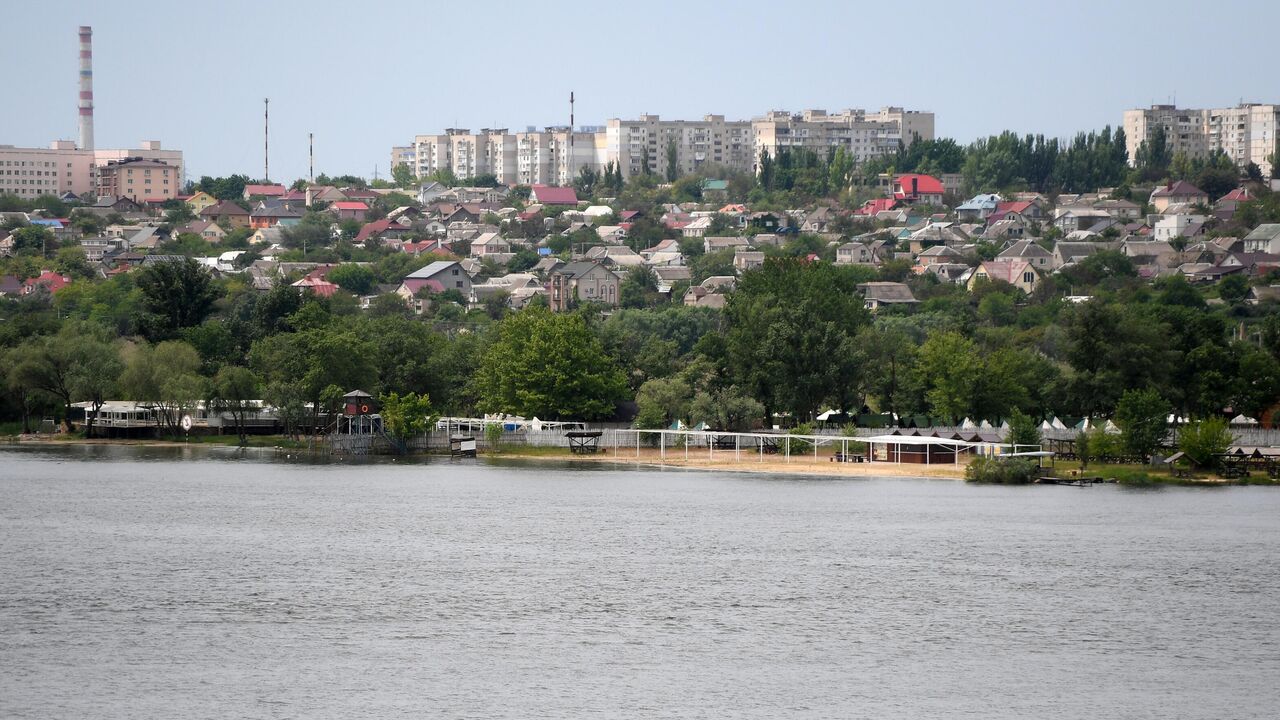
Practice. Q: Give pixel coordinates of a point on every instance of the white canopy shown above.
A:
(1058, 424)
(967, 424)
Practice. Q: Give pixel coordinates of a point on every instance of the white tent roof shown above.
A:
(1242, 419)
(968, 425)
(985, 426)
(1046, 425)
(828, 414)
(1058, 424)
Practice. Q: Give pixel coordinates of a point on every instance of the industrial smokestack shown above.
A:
(86, 87)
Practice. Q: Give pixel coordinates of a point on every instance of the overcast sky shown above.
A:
(366, 76)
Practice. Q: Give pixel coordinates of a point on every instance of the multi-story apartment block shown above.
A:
(554, 156)
(149, 150)
(138, 179)
(57, 169)
(403, 155)
(863, 135)
(700, 144)
(1246, 133)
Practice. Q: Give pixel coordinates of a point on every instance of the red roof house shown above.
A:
(547, 195)
(271, 191)
(915, 188)
(349, 209)
(872, 207)
(49, 279)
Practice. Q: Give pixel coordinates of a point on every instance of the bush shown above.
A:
(799, 446)
(1013, 471)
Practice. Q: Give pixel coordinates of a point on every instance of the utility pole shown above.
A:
(570, 138)
(266, 139)
(311, 157)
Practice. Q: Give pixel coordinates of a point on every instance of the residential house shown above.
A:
(1078, 217)
(1120, 209)
(1068, 253)
(380, 230)
(201, 200)
(1158, 255)
(548, 195)
(437, 277)
(618, 256)
(227, 214)
(880, 294)
(914, 188)
(710, 292)
(872, 208)
(205, 229)
(1254, 264)
(1180, 192)
(1225, 208)
(268, 236)
(697, 227)
(491, 245)
(767, 221)
(744, 260)
(1257, 295)
(715, 244)
(818, 220)
(1030, 209)
(583, 281)
(349, 209)
(1018, 273)
(265, 216)
(979, 207)
(252, 191)
(10, 286)
(856, 253)
(48, 279)
(430, 191)
(669, 275)
(1031, 253)
(1264, 239)
(1169, 227)
(1009, 227)
(612, 234)
(938, 254)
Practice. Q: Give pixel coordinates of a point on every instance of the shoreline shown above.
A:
(805, 465)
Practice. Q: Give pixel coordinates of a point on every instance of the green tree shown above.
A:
(235, 390)
(549, 366)
(406, 416)
(402, 175)
(76, 363)
(176, 294)
(673, 161)
(792, 336)
(1143, 419)
(1023, 430)
(358, 279)
(1233, 289)
(1205, 441)
(727, 409)
(660, 402)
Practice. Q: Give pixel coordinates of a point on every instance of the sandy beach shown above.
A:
(727, 460)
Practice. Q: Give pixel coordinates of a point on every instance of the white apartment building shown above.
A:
(1246, 133)
(57, 169)
(403, 155)
(544, 157)
(700, 144)
(554, 156)
(863, 135)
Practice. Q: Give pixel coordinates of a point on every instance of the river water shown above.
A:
(163, 583)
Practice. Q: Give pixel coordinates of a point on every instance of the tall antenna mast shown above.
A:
(570, 137)
(266, 128)
(311, 157)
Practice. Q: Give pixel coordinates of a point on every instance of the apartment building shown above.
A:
(57, 169)
(705, 144)
(403, 155)
(863, 135)
(1246, 132)
(555, 156)
(147, 150)
(138, 179)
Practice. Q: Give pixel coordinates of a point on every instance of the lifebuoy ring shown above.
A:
(364, 408)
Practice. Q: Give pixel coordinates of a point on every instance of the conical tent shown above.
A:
(967, 424)
(1046, 425)
(1058, 424)
(1111, 428)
